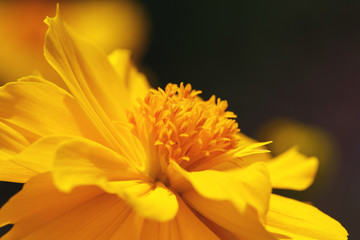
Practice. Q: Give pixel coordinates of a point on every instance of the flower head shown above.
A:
(176, 125)
(114, 159)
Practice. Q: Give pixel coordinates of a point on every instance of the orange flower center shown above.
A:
(177, 125)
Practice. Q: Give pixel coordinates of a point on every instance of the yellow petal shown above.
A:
(85, 70)
(39, 196)
(86, 213)
(104, 217)
(251, 149)
(265, 156)
(91, 79)
(32, 108)
(242, 187)
(83, 162)
(153, 201)
(236, 200)
(243, 225)
(36, 158)
(159, 203)
(12, 172)
(184, 226)
(39, 156)
(135, 81)
(289, 218)
(248, 152)
(292, 170)
(35, 108)
(12, 142)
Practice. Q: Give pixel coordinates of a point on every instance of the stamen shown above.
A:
(182, 127)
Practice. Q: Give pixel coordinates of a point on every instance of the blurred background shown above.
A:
(289, 70)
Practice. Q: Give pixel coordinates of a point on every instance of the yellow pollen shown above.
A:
(176, 124)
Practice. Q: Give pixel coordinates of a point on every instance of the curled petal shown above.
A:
(242, 187)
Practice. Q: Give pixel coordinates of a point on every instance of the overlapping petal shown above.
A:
(93, 82)
(242, 187)
(12, 142)
(153, 201)
(185, 225)
(85, 70)
(86, 213)
(12, 172)
(82, 162)
(291, 219)
(239, 198)
(243, 225)
(289, 170)
(36, 158)
(35, 108)
(25, 118)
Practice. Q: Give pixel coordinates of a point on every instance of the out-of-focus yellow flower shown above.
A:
(99, 164)
(311, 140)
(109, 24)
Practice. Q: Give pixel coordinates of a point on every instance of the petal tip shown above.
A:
(48, 19)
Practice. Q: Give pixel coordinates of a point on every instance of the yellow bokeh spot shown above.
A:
(108, 24)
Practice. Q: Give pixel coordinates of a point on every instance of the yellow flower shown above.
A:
(115, 160)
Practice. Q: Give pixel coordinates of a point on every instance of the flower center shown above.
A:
(176, 124)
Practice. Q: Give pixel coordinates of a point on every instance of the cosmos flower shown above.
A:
(113, 159)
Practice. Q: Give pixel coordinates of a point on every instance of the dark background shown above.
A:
(298, 59)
